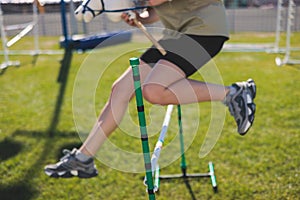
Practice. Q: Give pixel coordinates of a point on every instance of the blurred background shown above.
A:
(36, 110)
(243, 16)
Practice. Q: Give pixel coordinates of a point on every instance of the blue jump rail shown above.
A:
(91, 42)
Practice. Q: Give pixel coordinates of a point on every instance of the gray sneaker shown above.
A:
(70, 166)
(241, 105)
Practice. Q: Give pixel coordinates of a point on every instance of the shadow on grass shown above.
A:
(187, 184)
(9, 148)
(24, 188)
(187, 181)
(18, 191)
(62, 79)
(189, 187)
(2, 71)
(44, 134)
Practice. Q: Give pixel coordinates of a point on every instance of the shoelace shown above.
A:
(67, 153)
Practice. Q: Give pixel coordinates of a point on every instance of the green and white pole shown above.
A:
(134, 63)
(183, 162)
(212, 176)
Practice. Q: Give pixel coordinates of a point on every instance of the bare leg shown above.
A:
(166, 84)
(113, 111)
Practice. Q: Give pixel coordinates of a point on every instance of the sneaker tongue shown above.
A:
(82, 157)
(232, 89)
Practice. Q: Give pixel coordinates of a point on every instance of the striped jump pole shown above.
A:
(134, 63)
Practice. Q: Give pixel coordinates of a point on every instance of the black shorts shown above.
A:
(188, 52)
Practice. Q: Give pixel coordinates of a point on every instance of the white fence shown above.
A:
(240, 20)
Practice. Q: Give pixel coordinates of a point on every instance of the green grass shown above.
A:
(264, 164)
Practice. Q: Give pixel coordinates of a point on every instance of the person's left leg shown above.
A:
(167, 84)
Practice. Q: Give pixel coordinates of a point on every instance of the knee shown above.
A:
(153, 94)
(116, 87)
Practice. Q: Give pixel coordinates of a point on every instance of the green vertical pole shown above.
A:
(212, 176)
(183, 162)
(134, 62)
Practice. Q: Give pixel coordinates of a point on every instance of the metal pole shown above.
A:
(278, 25)
(4, 40)
(288, 30)
(64, 22)
(36, 27)
(74, 27)
(7, 62)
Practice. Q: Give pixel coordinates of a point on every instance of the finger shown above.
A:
(124, 15)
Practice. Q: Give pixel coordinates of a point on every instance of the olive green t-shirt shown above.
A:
(197, 17)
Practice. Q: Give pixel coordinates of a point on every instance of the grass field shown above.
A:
(264, 164)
